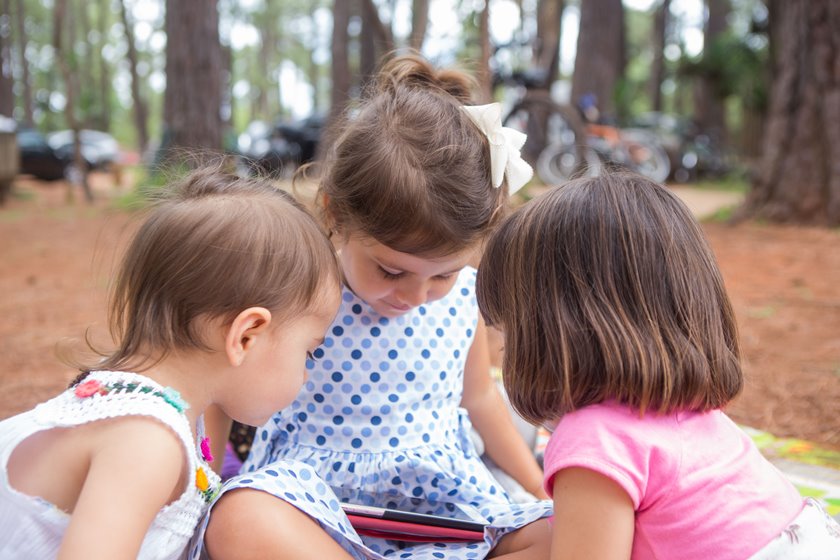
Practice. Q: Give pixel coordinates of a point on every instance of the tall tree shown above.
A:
(419, 23)
(798, 179)
(67, 63)
(339, 72)
(708, 102)
(103, 74)
(657, 67)
(600, 58)
(26, 93)
(547, 51)
(139, 109)
(192, 101)
(483, 74)
(7, 94)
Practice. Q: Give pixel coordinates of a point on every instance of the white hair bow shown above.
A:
(505, 144)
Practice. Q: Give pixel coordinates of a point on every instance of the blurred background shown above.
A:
(262, 78)
(735, 104)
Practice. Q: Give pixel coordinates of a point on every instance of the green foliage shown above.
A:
(735, 65)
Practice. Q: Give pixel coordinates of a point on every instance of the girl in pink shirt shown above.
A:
(619, 333)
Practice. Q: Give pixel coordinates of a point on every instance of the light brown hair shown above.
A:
(211, 246)
(606, 289)
(410, 169)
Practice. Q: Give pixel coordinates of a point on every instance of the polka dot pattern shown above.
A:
(380, 412)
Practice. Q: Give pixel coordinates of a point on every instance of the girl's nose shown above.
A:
(414, 295)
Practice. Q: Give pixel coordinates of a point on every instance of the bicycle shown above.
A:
(546, 123)
(606, 146)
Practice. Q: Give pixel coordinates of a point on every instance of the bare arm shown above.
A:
(593, 517)
(489, 414)
(136, 467)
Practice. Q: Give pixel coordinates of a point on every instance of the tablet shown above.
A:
(419, 517)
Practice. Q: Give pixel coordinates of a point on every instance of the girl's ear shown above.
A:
(244, 331)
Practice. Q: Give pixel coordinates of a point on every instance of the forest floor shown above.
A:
(57, 258)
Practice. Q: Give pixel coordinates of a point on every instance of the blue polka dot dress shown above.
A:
(380, 412)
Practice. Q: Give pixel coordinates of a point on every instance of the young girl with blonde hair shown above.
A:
(416, 180)
(222, 293)
(619, 334)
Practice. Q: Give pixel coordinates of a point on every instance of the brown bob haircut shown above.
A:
(211, 246)
(606, 289)
(410, 169)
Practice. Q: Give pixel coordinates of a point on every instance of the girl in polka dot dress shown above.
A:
(412, 187)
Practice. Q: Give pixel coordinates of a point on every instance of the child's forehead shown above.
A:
(399, 259)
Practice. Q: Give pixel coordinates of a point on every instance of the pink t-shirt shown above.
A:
(700, 488)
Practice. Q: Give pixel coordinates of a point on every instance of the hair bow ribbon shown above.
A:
(505, 143)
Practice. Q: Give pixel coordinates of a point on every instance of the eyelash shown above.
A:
(391, 276)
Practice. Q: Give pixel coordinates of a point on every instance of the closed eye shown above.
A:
(391, 275)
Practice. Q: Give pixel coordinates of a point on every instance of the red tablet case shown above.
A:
(411, 532)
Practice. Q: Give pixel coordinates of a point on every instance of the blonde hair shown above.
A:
(606, 288)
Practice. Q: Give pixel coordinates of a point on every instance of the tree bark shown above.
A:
(547, 52)
(60, 16)
(27, 86)
(340, 74)
(419, 23)
(102, 24)
(382, 32)
(657, 66)
(798, 179)
(192, 101)
(7, 94)
(483, 74)
(600, 59)
(709, 110)
(140, 113)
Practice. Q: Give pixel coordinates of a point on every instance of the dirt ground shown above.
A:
(784, 282)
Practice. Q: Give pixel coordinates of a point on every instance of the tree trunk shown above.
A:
(709, 110)
(7, 94)
(383, 34)
(483, 74)
(27, 85)
(367, 46)
(339, 72)
(547, 52)
(102, 25)
(419, 23)
(60, 17)
(313, 71)
(192, 101)
(140, 113)
(657, 66)
(87, 85)
(600, 59)
(798, 179)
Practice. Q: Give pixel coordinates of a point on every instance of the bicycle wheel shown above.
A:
(645, 155)
(547, 123)
(558, 163)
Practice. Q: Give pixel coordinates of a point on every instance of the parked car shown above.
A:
(280, 148)
(99, 149)
(38, 158)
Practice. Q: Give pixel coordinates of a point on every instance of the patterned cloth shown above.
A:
(33, 528)
(812, 535)
(380, 412)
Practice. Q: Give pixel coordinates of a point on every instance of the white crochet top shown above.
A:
(30, 527)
